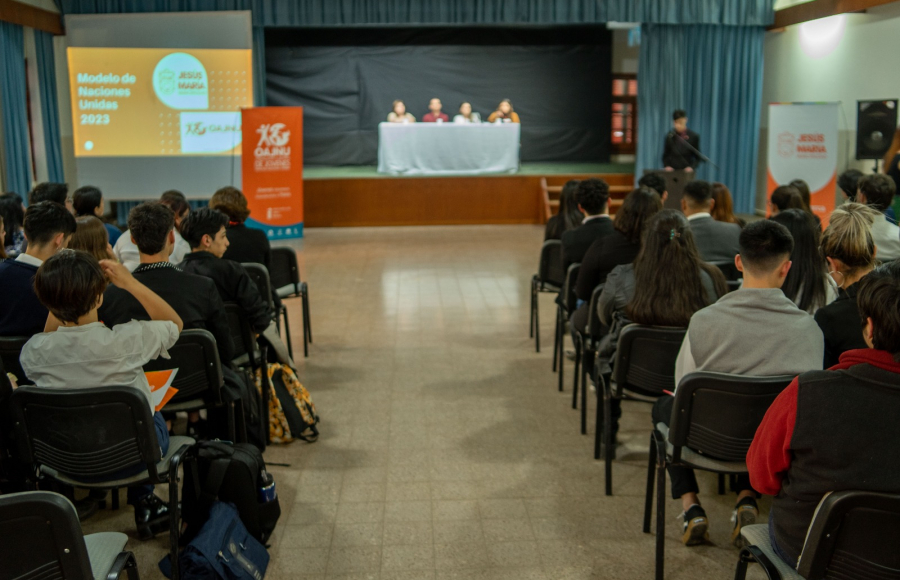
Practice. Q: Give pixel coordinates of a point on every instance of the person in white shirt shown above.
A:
(467, 115)
(76, 350)
(877, 191)
(126, 250)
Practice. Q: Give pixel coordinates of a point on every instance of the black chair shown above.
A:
(550, 278)
(714, 420)
(853, 536)
(643, 369)
(10, 349)
(199, 379)
(260, 276)
(733, 276)
(248, 353)
(42, 538)
(565, 305)
(285, 275)
(81, 436)
(586, 344)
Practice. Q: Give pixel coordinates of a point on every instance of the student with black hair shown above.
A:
(49, 191)
(48, 228)
(848, 182)
(717, 241)
(807, 284)
(88, 201)
(127, 251)
(737, 335)
(77, 351)
(13, 213)
(655, 182)
(785, 197)
(836, 429)
(592, 196)
(877, 191)
(568, 217)
(681, 146)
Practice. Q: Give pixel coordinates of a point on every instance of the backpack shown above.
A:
(222, 550)
(226, 472)
(292, 414)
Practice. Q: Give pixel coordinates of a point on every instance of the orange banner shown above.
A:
(272, 168)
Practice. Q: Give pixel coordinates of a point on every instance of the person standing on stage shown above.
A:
(435, 115)
(682, 145)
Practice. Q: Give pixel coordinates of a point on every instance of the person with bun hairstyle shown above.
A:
(849, 250)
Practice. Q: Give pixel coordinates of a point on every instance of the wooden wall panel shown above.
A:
(404, 201)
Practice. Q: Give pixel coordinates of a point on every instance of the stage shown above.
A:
(360, 196)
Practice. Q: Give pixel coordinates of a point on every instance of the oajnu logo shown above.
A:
(273, 152)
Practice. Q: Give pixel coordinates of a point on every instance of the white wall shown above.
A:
(861, 66)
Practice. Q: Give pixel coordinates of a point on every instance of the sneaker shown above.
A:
(745, 513)
(696, 526)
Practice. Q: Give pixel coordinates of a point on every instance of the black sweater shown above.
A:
(841, 325)
(248, 245)
(21, 313)
(604, 254)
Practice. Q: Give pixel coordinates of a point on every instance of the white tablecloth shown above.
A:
(447, 148)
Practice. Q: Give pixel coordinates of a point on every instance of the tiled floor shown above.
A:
(446, 449)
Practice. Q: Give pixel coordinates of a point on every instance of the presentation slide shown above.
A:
(152, 102)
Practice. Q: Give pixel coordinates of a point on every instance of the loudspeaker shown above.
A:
(876, 122)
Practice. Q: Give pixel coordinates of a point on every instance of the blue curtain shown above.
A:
(345, 12)
(14, 108)
(715, 74)
(46, 70)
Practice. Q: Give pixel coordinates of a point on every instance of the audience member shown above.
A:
(48, 227)
(849, 250)
(877, 191)
(205, 231)
(665, 286)
(127, 251)
(88, 200)
(785, 197)
(836, 429)
(48, 191)
(716, 241)
(504, 113)
(620, 247)
(737, 335)
(466, 114)
(723, 205)
(77, 351)
(13, 213)
(803, 189)
(91, 236)
(568, 217)
(434, 114)
(244, 244)
(399, 114)
(592, 196)
(848, 183)
(808, 284)
(656, 182)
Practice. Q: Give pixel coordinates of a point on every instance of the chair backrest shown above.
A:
(717, 414)
(645, 359)
(568, 289)
(199, 369)
(241, 332)
(728, 269)
(283, 268)
(10, 349)
(593, 323)
(43, 538)
(550, 268)
(260, 276)
(85, 432)
(853, 536)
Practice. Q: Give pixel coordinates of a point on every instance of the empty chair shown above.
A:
(714, 420)
(853, 536)
(285, 275)
(549, 278)
(42, 538)
(83, 437)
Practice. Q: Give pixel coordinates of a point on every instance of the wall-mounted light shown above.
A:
(819, 38)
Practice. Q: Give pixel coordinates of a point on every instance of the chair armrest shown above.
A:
(122, 560)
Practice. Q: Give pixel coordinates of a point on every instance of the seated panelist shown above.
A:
(435, 115)
(399, 115)
(466, 114)
(504, 113)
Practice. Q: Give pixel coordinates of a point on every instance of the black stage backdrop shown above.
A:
(558, 79)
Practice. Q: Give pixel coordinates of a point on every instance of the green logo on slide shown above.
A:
(180, 82)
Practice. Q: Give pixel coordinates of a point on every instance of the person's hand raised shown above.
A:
(117, 274)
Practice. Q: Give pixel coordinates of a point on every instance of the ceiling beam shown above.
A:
(31, 16)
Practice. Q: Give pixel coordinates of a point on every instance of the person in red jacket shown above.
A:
(836, 429)
(435, 115)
